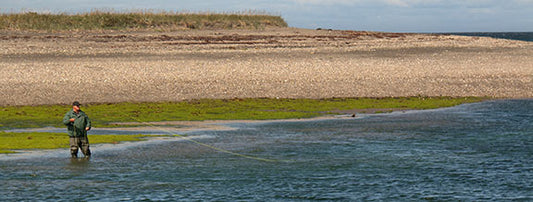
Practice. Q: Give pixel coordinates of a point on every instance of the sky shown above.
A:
(368, 15)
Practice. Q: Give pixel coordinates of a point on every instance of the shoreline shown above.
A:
(167, 132)
(208, 125)
(221, 109)
(129, 66)
(166, 128)
(215, 125)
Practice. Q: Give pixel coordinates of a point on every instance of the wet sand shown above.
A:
(112, 66)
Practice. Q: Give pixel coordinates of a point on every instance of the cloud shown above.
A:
(329, 2)
(394, 3)
(481, 11)
(414, 3)
(401, 3)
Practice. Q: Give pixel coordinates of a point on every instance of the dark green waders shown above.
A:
(80, 142)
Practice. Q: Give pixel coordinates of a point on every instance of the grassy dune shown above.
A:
(98, 20)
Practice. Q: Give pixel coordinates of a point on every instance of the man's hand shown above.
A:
(87, 129)
(72, 119)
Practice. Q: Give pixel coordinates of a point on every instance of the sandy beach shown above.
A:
(120, 66)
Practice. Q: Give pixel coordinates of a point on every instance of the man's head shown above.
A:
(76, 106)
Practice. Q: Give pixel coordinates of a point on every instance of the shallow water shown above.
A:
(480, 151)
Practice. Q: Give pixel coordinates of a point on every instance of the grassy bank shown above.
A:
(103, 115)
(98, 20)
(18, 141)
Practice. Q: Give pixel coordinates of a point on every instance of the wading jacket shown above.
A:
(76, 128)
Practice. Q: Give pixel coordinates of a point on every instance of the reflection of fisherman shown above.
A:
(78, 123)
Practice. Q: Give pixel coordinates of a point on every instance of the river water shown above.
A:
(473, 152)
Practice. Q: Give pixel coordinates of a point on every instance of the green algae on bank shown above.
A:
(10, 141)
(103, 115)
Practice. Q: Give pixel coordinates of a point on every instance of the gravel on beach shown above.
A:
(150, 66)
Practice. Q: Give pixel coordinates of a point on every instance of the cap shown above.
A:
(76, 103)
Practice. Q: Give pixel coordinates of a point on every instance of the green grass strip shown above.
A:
(103, 115)
(41, 140)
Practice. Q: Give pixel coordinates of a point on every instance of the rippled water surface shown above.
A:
(481, 151)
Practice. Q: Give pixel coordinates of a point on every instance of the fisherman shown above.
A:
(78, 123)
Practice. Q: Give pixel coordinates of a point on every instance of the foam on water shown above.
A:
(101, 148)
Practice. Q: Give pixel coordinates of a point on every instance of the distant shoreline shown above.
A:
(520, 36)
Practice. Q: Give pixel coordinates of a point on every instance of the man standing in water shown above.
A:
(78, 123)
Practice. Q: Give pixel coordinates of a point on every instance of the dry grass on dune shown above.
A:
(142, 20)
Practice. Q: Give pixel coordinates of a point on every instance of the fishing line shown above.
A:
(205, 145)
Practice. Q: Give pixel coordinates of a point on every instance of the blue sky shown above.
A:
(372, 15)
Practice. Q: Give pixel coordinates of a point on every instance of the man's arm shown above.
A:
(88, 126)
(66, 119)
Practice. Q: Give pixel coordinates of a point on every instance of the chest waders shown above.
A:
(80, 140)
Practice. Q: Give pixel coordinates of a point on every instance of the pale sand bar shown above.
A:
(110, 67)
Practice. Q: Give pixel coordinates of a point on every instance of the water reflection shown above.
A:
(79, 162)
